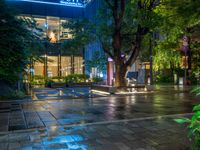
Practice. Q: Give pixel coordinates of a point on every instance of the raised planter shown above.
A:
(81, 84)
(58, 85)
(104, 88)
(150, 87)
(131, 88)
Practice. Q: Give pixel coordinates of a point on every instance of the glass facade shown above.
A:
(50, 15)
(57, 62)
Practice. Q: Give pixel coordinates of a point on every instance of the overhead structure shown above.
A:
(71, 3)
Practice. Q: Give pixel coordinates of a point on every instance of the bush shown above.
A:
(38, 77)
(164, 78)
(76, 78)
(13, 95)
(48, 82)
(97, 79)
(196, 90)
(58, 79)
(192, 79)
(193, 123)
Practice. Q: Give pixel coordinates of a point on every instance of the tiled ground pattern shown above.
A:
(156, 134)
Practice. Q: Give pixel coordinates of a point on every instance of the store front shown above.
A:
(57, 61)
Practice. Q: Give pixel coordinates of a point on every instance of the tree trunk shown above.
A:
(120, 73)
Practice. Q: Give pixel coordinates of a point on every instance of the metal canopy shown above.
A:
(71, 3)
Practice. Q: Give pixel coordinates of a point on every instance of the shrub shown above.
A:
(58, 79)
(97, 79)
(196, 90)
(13, 95)
(76, 78)
(193, 123)
(164, 78)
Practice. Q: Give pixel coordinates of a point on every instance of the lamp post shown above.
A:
(151, 59)
(185, 50)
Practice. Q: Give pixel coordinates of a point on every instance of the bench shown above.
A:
(58, 85)
(104, 88)
(130, 88)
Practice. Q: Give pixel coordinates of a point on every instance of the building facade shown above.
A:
(50, 15)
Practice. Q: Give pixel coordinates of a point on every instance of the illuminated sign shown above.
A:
(72, 3)
(75, 2)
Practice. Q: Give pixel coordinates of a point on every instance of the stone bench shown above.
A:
(104, 88)
(58, 85)
(135, 87)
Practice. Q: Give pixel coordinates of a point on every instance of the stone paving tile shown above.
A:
(14, 146)
(3, 128)
(52, 117)
(97, 137)
(4, 146)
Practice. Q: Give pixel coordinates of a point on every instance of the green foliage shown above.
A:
(97, 79)
(38, 80)
(14, 40)
(14, 95)
(162, 78)
(196, 90)
(98, 61)
(179, 18)
(193, 123)
(81, 36)
(195, 57)
(76, 78)
(166, 57)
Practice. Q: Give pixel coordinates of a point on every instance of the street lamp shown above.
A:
(185, 50)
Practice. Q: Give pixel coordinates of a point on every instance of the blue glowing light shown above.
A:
(71, 3)
(46, 25)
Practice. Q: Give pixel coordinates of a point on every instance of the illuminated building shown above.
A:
(50, 15)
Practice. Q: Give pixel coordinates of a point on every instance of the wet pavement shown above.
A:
(153, 134)
(64, 93)
(111, 122)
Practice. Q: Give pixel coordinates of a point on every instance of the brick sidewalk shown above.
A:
(153, 134)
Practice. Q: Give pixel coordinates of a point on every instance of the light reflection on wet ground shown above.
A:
(153, 134)
(166, 100)
(63, 93)
(58, 123)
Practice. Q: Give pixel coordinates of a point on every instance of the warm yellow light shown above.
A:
(52, 37)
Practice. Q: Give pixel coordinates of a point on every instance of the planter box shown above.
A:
(150, 88)
(58, 85)
(104, 88)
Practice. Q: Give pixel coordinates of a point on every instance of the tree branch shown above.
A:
(109, 4)
(122, 6)
(152, 4)
(105, 49)
(132, 57)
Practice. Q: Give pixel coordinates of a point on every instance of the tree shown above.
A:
(98, 61)
(120, 27)
(179, 18)
(15, 38)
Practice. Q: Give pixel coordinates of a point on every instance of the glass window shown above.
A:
(41, 24)
(66, 65)
(53, 29)
(64, 32)
(78, 65)
(39, 68)
(52, 69)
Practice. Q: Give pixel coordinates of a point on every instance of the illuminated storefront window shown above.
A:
(66, 65)
(52, 69)
(38, 68)
(57, 63)
(78, 65)
(53, 29)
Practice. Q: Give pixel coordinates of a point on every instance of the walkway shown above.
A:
(141, 120)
